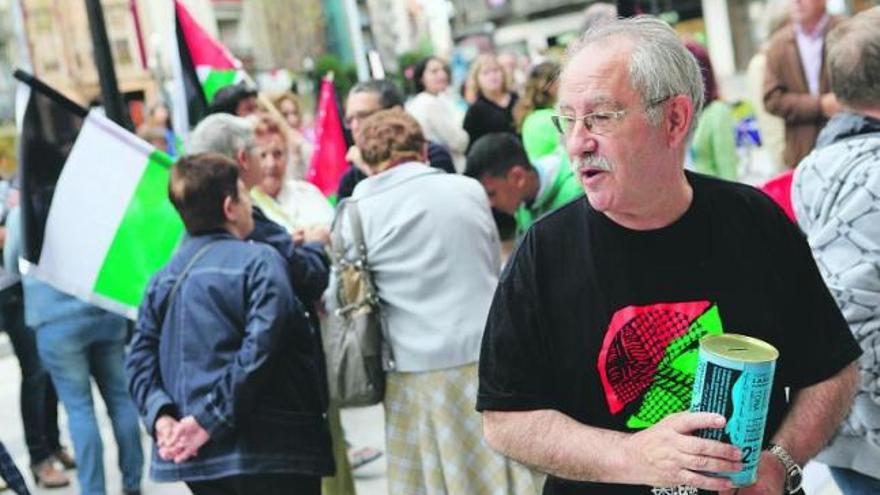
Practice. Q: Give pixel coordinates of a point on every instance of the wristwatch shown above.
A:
(794, 474)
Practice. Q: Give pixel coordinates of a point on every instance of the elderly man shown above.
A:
(795, 81)
(835, 198)
(589, 352)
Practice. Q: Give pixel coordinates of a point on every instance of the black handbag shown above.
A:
(358, 354)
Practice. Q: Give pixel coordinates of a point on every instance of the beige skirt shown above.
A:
(434, 439)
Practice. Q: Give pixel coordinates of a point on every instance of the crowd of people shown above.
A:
(547, 253)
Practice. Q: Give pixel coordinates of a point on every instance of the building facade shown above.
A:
(60, 47)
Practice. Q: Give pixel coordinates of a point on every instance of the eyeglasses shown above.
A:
(601, 123)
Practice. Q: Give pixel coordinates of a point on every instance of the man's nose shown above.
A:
(580, 141)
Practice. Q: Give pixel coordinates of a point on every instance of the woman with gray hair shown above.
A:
(434, 257)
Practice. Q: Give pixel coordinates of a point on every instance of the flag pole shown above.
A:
(110, 96)
(50, 93)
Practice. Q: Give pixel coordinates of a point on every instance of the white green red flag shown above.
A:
(201, 67)
(328, 163)
(96, 219)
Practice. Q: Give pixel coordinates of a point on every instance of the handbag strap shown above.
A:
(189, 265)
(357, 228)
(338, 248)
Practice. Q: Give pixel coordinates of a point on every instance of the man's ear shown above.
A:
(517, 175)
(242, 158)
(229, 209)
(678, 117)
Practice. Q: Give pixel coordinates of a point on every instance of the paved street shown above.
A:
(363, 427)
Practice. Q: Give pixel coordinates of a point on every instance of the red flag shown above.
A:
(201, 66)
(779, 188)
(328, 158)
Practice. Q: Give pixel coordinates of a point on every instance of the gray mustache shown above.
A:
(581, 163)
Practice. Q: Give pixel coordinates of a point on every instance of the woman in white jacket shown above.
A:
(435, 109)
(433, 253)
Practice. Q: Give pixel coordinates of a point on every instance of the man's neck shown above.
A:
(874, 113)
(533, 185)
(668, 206)
(808, 26)
(237, 231)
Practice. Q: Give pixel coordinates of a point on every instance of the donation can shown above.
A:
(734, 378)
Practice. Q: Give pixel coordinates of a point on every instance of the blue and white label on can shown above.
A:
(734, 381)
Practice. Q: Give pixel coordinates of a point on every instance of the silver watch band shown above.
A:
(793, 471)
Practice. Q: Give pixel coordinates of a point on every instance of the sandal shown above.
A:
(61, 455)
(46, 475)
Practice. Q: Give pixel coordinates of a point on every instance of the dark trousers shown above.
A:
(39, 403)
(264, 484)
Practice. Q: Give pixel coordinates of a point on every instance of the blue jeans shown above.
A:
(73, 350)
(853, 482)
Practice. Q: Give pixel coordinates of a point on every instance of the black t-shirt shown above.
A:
(595, 320)
(486, 116)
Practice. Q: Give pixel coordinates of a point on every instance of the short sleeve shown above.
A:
(513, 354)
(818, 341)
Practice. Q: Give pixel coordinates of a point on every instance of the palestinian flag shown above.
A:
(201, 66)
(328, 163)
(96, 218)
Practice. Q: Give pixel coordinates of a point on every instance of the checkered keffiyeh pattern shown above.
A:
(434, 439)
(10, 473)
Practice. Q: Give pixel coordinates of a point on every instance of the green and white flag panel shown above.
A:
(214, 80)
(111, 225)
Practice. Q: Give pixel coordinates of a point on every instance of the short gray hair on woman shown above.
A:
(660, 66)
(222, 133)
(854, 60)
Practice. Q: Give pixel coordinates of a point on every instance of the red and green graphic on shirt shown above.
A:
(649, 357)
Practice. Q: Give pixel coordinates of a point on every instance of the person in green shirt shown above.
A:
(518, 186)
(532, 113)
(713, 146)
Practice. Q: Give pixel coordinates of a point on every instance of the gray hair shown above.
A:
(854, 60)
(660, 66)
(222, 133)
(598, 13)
